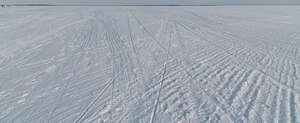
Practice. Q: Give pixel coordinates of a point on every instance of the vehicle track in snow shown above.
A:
(207, 93)
(292, 112)
(152, 64)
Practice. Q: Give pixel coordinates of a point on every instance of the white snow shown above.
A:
(150, 64)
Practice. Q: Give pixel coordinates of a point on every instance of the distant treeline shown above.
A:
(33, 5)
(95, 5)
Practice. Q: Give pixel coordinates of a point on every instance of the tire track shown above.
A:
(82, 115)
(254, 96)
(232, 36)
(273, 80)
(265, 73)
(161, 82)
(225, 108)
(122, 62)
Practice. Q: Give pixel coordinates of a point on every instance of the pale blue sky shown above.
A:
(190, 2)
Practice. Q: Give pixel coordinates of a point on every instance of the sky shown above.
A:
(162, 2)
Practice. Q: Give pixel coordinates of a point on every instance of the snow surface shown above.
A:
(150, 64)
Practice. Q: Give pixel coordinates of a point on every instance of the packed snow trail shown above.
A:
(150, 64)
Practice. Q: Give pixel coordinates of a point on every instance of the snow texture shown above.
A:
(150, 64)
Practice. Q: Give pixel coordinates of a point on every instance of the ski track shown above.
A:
(150, 64)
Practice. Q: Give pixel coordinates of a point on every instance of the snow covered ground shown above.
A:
(150, 64)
